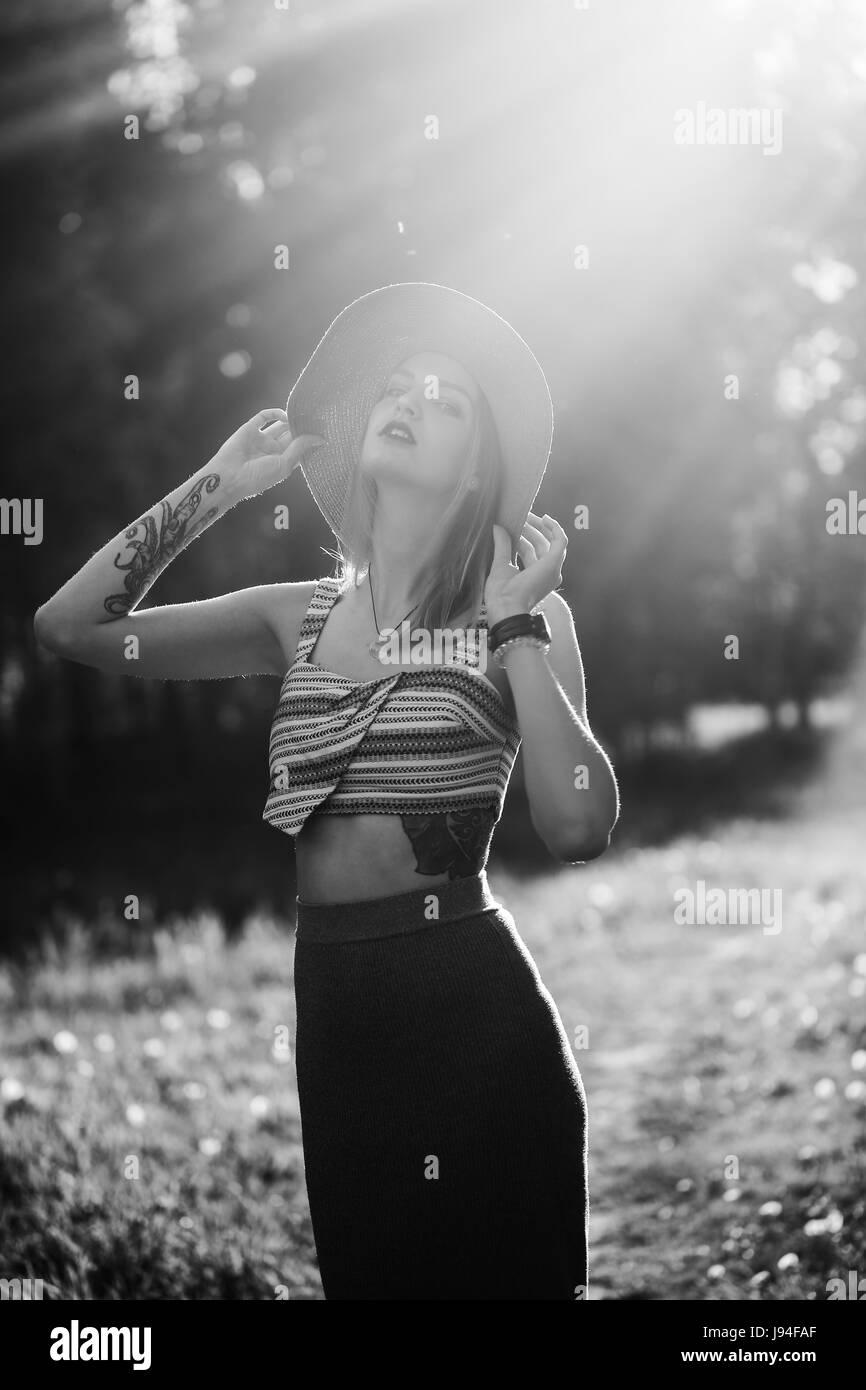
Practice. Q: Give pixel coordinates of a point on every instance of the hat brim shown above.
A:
(347, 373)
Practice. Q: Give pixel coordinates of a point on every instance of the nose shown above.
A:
(407, 400)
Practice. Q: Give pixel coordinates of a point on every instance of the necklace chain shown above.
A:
(380, 640)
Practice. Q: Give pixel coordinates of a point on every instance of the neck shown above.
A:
(404, 536)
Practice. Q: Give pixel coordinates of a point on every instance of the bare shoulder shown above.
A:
(285, 608)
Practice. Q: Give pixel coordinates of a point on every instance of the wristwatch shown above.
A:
(528, 628)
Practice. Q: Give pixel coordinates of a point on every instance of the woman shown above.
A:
(443, 1116)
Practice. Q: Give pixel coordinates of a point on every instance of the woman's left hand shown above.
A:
(542, 548)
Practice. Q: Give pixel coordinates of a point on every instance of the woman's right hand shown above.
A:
(261, 453)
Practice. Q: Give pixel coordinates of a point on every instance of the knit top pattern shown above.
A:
(422, 740)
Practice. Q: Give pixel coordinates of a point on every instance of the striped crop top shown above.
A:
(423, 740)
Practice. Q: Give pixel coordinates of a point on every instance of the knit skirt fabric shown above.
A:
(443, 1116)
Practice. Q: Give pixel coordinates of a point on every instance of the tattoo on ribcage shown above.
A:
(456, 841)
(153, 545)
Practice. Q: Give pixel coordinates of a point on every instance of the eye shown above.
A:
(449, 406)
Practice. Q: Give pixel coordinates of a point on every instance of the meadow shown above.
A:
(151, 1137)
(699, 315)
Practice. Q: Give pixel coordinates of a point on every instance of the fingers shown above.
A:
(293, 448)
(547, 523)
(551, 528)
(273, 424)
(269, 416)
(538, 538)
(543, 542)
(526, 550)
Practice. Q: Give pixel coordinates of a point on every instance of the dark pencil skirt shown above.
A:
(443, 1116)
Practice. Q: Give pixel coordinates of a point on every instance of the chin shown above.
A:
(377, 462)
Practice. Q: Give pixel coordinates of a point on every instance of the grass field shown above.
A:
(150, 1142)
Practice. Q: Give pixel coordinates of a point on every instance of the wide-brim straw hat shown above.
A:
(346, 375)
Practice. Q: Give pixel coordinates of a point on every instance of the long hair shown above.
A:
(452, 580)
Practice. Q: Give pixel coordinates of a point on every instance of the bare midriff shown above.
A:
(343, 859)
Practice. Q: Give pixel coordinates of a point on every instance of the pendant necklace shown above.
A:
(375, 648)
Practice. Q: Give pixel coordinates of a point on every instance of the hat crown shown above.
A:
(342, 380)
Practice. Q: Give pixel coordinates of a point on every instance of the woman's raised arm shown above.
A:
(92, 618)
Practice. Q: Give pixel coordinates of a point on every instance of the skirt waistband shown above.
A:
(397, 913)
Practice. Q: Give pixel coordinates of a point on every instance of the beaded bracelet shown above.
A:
(499, 651)
(518, 625)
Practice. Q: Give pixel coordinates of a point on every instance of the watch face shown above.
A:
(543, 630)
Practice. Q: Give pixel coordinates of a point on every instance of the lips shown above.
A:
(398, 430)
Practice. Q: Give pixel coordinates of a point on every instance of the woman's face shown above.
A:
(435, 398)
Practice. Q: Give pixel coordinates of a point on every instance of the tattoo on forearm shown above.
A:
(154, 544)
(454, 840)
